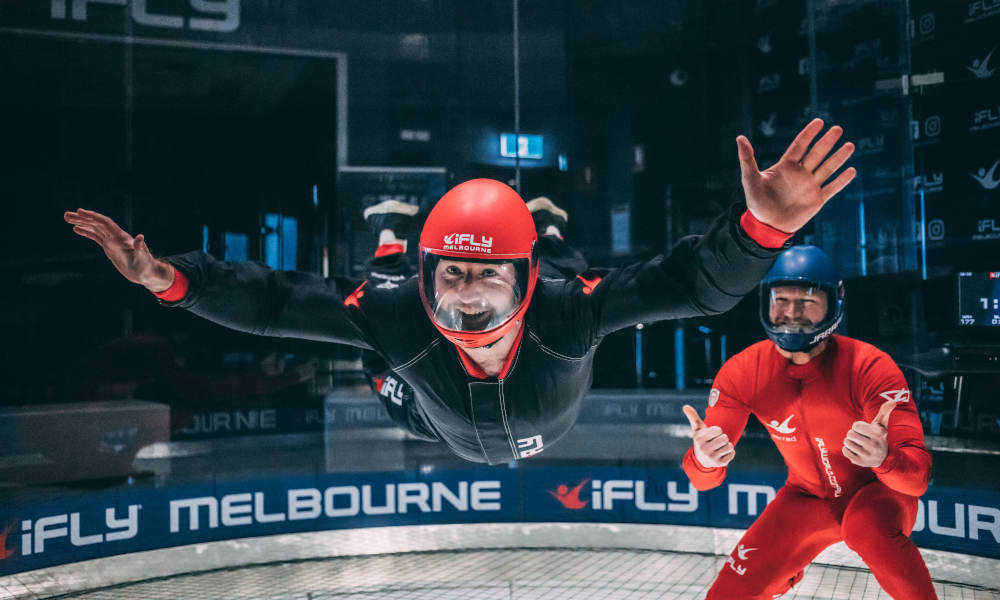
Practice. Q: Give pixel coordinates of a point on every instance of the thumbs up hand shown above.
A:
(866, 444)
(711, 446)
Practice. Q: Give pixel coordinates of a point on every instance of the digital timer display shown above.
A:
(979, 298)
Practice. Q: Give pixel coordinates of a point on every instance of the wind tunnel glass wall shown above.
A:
(260, 132)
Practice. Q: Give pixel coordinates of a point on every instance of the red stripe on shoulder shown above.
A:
(589, 284)
(352, 300)
(387, 249)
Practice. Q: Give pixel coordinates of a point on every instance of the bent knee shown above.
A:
(868, 535)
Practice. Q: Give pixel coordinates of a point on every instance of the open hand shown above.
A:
(711, 446)
(128, 254)
(866, 444)
(791, 191)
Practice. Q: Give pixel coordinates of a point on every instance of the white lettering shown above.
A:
(210, 12)
(193, 505)
(686, 501)
(228, 9)
(143, 17)
(932, 520)
(440, 490)
(530, 446)
(330, 503)
(303, 504)
(42, 531)
(976, 523)
(26, 537)
(824, 456)
(616, 489)
(129, 525)
(74, 533)
(386, 509)
(485, 495)
(752, 491)
(413, 493)
(258, 511)
(640, 499)
(234, 505)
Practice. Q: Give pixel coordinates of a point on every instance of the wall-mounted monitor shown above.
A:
(979, 298)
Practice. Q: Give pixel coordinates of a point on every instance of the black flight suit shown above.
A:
(537, 402)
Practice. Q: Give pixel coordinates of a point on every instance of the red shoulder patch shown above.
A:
(352, 300)
(589, 284)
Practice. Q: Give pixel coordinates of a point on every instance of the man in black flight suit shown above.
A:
(498, 358)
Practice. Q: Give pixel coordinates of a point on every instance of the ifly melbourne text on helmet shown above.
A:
(468, 242)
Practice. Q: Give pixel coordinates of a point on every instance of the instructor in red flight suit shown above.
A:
(841, 415)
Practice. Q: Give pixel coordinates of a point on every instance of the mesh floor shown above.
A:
(571, 574)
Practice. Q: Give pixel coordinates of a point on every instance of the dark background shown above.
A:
(186, 130)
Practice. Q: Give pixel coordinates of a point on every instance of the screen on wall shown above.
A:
(979, 298)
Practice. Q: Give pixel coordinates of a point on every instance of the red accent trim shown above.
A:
(470, 367)
(474, 370)
(762, 233)
(352, 300)
(387, 249)
(4, 552)
(470, 339)
(589, 284)
(177, 290)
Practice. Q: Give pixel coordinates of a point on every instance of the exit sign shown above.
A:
(528, 146)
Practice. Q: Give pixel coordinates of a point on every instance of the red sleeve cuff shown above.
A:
(888, 464)
(697, 463)
(387, 249)
(177, 290)
(762, 233)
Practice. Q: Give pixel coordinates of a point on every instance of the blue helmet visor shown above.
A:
(798, 315)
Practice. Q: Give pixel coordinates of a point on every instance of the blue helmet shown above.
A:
(806, 267)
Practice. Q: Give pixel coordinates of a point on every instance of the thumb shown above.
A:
(139, 244)
(693, 418)
(882, 418)
(748, 164)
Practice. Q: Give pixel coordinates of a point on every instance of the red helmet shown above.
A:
(477, 262)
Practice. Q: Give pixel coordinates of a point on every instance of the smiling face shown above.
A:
(797, 309)
(474, 296)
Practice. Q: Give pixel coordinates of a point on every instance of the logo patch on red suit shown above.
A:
(902, 395)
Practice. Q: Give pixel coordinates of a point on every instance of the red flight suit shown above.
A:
(808, 410)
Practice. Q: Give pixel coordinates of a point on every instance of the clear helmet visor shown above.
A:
(797, 308)
(473, 294)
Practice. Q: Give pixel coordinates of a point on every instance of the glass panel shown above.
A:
(295, 383)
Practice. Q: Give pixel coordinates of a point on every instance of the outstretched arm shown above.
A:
(711, 273)
(245, 296)
(130, 255)
(790, 192)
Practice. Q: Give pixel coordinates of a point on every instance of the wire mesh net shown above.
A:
(509, 574)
